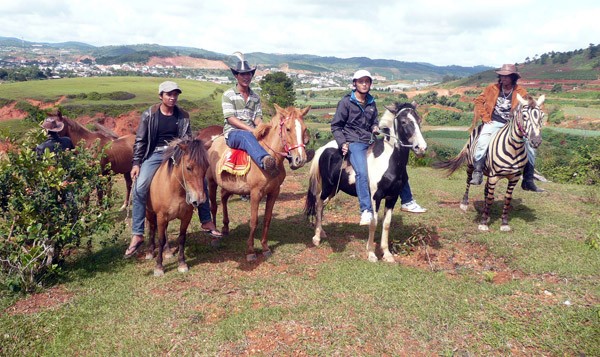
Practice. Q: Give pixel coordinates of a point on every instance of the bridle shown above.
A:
(283, 140)
(399, 142)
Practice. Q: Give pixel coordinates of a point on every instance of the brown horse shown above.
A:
(176, 189)
(209, 134)
(119, 153)
(284, 137)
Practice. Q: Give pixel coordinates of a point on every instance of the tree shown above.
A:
(278, 89)
(46, 210)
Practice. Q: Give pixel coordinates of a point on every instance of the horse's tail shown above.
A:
(314, 186)
(453, 164)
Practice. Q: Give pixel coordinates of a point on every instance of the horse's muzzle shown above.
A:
(195, 200)
(296, 161)
(535, 141)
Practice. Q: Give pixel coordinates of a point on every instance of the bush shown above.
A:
(46, 210)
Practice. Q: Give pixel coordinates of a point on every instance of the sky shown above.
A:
(439, 32)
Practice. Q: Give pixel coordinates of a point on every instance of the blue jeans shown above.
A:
(140, 192)
(358, 159)
(204, 209)
(489, 129)
(245, 140)
(405, 193)
(530, 152)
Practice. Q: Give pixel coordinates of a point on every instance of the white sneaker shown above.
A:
(365, 218)
(413, 207)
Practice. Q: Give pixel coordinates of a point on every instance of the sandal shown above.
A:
(131, 250)
(213, 233)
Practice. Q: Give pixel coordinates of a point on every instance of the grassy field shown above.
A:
(145, 89)
(533, 291)
(452, 291)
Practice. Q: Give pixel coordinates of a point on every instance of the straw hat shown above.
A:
(52, 125)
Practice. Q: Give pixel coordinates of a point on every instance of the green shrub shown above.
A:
(119, 95)
(47, 209)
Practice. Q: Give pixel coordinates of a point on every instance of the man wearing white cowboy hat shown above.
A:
(55, 141)
(242, 112)
(494, 107)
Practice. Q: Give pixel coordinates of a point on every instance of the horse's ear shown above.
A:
(305, 111)
(391, 108)
(414, 104)
(541, 100)
(277, 107)
(521, 99)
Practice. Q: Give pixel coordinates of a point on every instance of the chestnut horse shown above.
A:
(119, 153)
(176, 189)
(284, 137)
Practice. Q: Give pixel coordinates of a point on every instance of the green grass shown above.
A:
(145, 89)
(331, 301)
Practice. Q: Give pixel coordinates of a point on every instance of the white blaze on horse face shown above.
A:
(299, 138)
(419, 144)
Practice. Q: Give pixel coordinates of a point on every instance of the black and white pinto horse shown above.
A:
(386, 160)
(506, 156)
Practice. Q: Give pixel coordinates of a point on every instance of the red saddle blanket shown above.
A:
(236, 162)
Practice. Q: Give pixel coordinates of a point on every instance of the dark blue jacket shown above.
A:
(54, 143)
(352, 122)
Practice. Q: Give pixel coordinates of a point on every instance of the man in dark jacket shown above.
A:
(159, 125)
(352, 126)
(54, 141)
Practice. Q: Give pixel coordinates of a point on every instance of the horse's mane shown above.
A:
(195, 148)
(262, 130)
(388, 116)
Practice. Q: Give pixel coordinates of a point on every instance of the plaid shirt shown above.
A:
(234, 105)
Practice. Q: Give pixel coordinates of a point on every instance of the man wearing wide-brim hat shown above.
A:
(242, 113)
(55, 142)
(494, 107)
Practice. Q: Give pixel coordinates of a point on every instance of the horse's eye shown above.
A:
(189, 168)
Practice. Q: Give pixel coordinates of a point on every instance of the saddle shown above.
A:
(235, 162)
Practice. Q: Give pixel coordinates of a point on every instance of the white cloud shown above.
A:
(461, 32)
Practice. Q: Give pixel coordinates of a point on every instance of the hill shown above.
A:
(143, 53)
(568, 69)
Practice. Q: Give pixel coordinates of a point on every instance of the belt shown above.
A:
(161, 148)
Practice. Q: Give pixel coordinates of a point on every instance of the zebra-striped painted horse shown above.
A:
(506, 156)
(386, 160)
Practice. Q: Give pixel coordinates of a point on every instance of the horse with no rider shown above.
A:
(176, 189)
(119, 152)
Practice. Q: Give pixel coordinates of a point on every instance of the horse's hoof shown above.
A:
(183, 268)
(251, 257)
(464, 207)
(149, 256)
(388, 258)
(483, 227)
(316, 241)
(505, 228)
(159, 272)
(267, 254)
(372, 258)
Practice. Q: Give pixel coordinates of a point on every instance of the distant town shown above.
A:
(55, 63)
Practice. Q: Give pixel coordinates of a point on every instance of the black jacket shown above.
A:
(352, 122)
(54, 143)
(147, 132)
